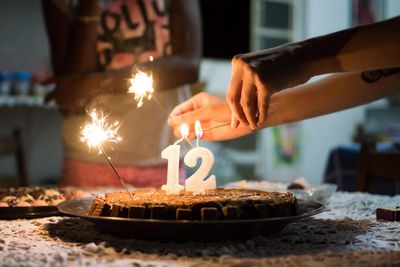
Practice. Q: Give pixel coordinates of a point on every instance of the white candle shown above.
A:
(197, 182)
(172, 154)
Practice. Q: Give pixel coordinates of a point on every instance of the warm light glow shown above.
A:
(184, 130)
(151, 58)
(197, 129)
(141, 86)
(99, 130)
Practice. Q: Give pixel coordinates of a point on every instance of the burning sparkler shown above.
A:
(141, 85)
(98, 131)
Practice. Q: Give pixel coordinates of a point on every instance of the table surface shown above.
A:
(346, 234)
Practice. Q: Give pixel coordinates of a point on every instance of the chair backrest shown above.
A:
(373, 164)
(15, 145)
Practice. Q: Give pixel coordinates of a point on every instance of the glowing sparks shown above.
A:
(99, 130)
(141, 86)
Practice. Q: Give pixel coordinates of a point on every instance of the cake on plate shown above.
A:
(216, 204)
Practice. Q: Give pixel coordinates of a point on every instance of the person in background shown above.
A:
(96, 46)
(269, 87)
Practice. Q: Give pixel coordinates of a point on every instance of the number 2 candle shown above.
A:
(198, 183)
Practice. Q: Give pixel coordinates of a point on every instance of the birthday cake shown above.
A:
(216, 204)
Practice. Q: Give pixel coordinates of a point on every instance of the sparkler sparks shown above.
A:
(99, 130)
(141, 85)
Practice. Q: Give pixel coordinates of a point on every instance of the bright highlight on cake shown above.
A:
(141, 85)
(100, 130)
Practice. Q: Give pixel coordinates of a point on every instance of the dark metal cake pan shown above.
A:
(186, 230)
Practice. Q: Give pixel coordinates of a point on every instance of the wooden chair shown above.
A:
(374, 164)
(15, 145)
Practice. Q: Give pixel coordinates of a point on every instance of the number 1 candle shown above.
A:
(172, 154)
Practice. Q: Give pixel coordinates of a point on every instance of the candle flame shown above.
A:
(184, 130)
(197, 129)
(99, 130)
(141, 86)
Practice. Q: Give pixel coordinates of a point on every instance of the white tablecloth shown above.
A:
(347, 234)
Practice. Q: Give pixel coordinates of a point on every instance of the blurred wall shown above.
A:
(23, 41)
(24, 46)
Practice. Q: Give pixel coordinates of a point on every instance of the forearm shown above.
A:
(366, 47)
(334, 93)
(168, 73)
(172, 71)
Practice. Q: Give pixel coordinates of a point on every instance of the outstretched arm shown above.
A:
(331, 94)
(256, 76)
(334, 93)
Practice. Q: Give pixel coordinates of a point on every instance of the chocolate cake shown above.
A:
(217, 204)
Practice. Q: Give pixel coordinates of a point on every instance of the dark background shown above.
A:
(226, 27)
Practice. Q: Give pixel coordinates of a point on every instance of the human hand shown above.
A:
(74, 91)
(210, 111)
(256, 76)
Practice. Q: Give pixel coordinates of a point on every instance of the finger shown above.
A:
(233, 97)
(262, 105)
(235, 123)
(249, 103)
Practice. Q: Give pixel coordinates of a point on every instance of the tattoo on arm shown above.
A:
(375, 75)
